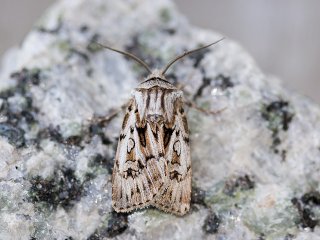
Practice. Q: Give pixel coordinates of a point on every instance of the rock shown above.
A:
(256, 164)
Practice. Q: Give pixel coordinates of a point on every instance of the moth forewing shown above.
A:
(152, 163)
(153, 156)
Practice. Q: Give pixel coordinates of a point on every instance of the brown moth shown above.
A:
(152, 164)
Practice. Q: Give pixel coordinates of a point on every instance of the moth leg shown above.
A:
(205, 111)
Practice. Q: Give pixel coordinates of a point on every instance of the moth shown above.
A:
(152, 164)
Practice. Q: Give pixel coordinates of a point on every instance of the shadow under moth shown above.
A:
(152, 164)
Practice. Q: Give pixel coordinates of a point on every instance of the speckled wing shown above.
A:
(175, 195)
(140, 168)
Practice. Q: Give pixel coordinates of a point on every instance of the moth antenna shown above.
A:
(126, 54)
(187, 53)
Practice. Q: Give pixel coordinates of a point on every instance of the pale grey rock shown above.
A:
(256, 164)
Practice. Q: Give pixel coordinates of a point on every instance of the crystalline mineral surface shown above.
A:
(256, 164)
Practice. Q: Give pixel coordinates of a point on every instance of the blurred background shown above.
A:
(283, 36)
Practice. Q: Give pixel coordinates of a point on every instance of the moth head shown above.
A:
(156, 72)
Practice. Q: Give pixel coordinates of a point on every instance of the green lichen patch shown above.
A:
(165, 15)
(62, 189)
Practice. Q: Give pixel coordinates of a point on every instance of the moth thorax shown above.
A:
(155, 118)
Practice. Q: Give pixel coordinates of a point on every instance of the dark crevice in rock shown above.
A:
(241, 183)
(211, 223)
(63, 189)
(305, 206)
(116, 225)
(279, 116)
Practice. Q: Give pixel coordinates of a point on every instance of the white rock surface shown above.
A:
(256, 165)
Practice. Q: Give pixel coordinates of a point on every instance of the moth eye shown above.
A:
(130, 108)
(181, 110)
(131, 129)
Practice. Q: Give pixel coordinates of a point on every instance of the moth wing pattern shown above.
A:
(175, 195)
(140, 169)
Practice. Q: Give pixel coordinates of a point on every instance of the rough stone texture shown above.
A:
(256, 165)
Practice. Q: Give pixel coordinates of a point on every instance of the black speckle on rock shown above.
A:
(198, 196)
(17, 116)
(307, 218)
(94, 236)
(103, 161)
(139, 49)
(117, 224)
(73, 140)
(242, 183)
(97, 129)
(172, 78)
(84, 28)
(289, 237)
(25, 77)
(63, 189)
(279, 115)
(198, 56)
(51, 132)
(311, 198)
(14, 134)
(223, 82)
(170, 31)
(54, 30)
(79, 53)
(211, 223)
(92, 46)
(205, 83)
(262, 236)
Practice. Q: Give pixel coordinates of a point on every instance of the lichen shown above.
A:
(62, 189)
